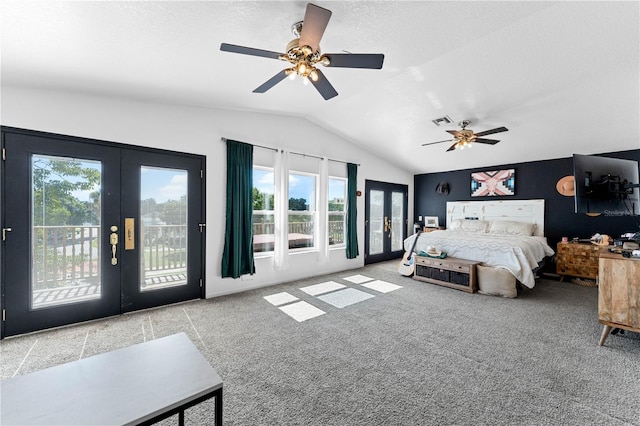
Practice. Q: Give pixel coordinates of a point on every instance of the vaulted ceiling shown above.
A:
(563, 77)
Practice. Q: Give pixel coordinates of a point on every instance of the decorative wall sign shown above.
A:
(493, 183)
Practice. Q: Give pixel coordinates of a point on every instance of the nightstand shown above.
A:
(439, 228)
(578, 260)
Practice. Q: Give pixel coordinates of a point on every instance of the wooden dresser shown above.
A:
(577, 260)
(618, 293)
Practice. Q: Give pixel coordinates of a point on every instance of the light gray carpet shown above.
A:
(418, 355)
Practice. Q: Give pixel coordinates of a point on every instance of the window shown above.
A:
(337, 210)
(263, 213)
(302, 210)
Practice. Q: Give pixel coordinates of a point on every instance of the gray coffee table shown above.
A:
(140, 384)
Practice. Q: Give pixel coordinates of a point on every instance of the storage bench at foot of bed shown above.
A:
(449, 272)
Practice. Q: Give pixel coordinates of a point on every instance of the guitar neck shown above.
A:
(413, 248)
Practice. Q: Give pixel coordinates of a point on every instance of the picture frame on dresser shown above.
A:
(431, 221)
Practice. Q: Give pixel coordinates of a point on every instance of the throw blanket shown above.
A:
(520, 255)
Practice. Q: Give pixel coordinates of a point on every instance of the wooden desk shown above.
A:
(140, 384)
(618, 293)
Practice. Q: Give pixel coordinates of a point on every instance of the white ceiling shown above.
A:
(562, 76)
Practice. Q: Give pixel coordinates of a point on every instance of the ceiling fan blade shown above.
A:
(324, 87)
(452, 147)
(433, 143)
(455, 133)
(356, 60)
(487, 141)
(271, 82)
(492, 131)
(315, 22)
(225, 47)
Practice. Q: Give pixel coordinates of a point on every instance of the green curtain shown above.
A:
(352, 212)
(237, 258)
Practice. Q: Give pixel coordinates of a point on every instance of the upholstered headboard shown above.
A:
(529, 211)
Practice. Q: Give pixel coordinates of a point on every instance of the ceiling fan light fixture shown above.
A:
(324, 61)
(314, 75)
(291, 73)
(307, 51)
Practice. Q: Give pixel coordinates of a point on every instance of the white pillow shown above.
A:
(467, 225)
(510, 227)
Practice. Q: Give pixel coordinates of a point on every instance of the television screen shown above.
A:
(602, 185)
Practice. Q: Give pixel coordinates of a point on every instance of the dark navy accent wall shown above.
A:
(534, 180)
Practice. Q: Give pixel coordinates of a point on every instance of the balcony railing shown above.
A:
(70, 255)
(67, 256)
(263, 234)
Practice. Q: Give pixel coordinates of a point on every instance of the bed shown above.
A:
(504, 235)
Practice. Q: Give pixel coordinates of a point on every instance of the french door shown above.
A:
(93, 229)
(385, 220)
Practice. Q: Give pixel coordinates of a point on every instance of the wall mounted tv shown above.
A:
(606, 185)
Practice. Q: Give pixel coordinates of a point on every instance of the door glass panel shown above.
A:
(65, 248)
(376, 222)
(397, 215)
(163, 223)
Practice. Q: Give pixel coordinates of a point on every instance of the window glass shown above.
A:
(263, 211)
(302, 210)
(337, 210)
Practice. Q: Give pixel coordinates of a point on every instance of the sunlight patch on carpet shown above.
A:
(381, 286)
(357, 279)
(346, 297)
(280, 298)
(316, 289)
(301, 311)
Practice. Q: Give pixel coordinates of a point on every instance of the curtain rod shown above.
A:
(259, 146)
(319, 158)
(295, 153)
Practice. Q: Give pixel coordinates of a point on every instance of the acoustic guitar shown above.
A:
(407, 264)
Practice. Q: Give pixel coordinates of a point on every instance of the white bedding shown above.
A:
(520, 255)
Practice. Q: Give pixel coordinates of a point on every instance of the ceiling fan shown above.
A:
(304, 54)
(464, 138)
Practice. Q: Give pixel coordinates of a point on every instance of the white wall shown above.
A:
(199, 131)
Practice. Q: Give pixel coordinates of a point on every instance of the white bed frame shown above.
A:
(529, 211)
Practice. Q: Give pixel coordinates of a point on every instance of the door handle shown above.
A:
(113, 240)
(129, 232)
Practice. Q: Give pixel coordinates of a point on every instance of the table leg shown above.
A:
(605, 333)
(218, 414)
